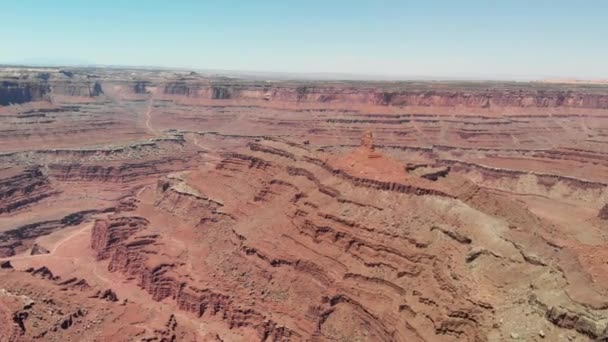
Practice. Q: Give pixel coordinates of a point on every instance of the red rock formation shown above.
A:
(315, 93)
(107, 295)
(367, 142)
(74, 284)
(44, 273)
(22, 188)
(603, 214)
(33, 309)
(16, 92)
(37, 249)
(123, 172)
(41, 85)
(19, 239)
(109, 233)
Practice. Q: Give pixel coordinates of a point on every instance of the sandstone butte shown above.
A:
(142, 205)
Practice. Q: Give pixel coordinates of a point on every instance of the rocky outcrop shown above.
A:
(164, 147)
(168, 333)
(399, 95)
(112, 173)
(22, 188)
(197, 90)
(603, 214)
(232, 160)
(42, 86)
(35, 86)
(205, 302)
(109, 233)
(380, 185)
(96, 90)
(37, 249)
(17, 92)
(107, 295)
(585, 189)
(180, 88)
(140, 87)
(129, 254)
(43, 272)
(177, 198)
(584, 323)
(74, 284)
(21, 238)
(81, 87)
(509, 98)
(367, 142)
(430, 172)
(220, 93)
(44, 307)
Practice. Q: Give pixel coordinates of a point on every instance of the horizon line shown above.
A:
(325, 75)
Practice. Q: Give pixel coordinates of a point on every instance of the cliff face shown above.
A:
(200, 90)
(22, 92)
(23, 188)
(84, 88)
(369, 95)
(19, 239)
(140, 87)
(109, 233)
(541, 99)
(32, 86)
(117, 239)
(41, 87)
(180, 88)
(117, 173)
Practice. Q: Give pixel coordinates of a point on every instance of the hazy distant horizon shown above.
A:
(475, 39)
(323, 76)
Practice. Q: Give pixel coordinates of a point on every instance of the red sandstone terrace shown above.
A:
(156, 205)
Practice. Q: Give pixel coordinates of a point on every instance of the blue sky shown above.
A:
(479, 39)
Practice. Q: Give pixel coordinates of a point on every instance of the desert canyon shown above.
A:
(159, 205)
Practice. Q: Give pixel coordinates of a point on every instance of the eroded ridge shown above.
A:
(372, 262)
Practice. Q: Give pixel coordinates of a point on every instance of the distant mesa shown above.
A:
(67, 73)
(140, 87)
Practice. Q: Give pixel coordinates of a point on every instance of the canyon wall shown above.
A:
(401, 95)
(20, 188)
(43, 86)
(37, 86)
(12, 92)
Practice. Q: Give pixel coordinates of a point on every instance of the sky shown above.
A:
(489, 39)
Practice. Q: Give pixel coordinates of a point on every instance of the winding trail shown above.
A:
(209, 155)
(140, 191)
(149, 118)
(71, 236)
(53, 250)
